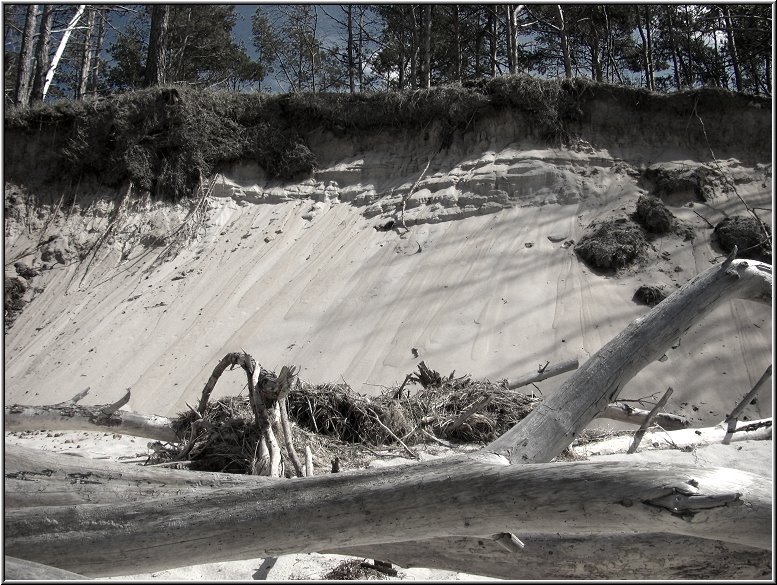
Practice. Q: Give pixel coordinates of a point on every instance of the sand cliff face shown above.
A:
(134, 293)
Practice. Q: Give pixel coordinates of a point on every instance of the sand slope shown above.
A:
(309, 281)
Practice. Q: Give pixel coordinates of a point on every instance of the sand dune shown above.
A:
(312, 283)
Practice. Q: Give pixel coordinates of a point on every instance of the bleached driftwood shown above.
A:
(555, 422)
(477, 494)
(71, 416)
(753, 430)
(447, 497)
(623, 412)
(619, 556)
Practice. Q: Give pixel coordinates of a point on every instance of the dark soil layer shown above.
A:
(165, 139)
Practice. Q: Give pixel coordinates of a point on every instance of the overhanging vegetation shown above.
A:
(163, 139)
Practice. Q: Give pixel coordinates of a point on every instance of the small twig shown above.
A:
(436, 439)
(402, 387)
(509, 541)
(479, 405)
(77, 397)
(169, 464)
(648, 420)
(731, 419)
(390, 432)
(749, 209)
(704, 218)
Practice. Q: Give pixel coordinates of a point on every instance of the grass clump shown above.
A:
(653, 215)
(612, 244)
(750, 236)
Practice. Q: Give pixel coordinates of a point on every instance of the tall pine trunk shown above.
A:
(564, 38)
(156, 62)
(351, 64)
(95, 70)
(732, 47)
(427, 65)
(492, 39)
(24, 77)
(414, 48)
(86, 57)
(42, 53)
(457, 41)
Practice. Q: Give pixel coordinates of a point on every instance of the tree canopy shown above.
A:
(358, 48)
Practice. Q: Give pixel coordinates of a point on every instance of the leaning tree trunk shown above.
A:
(553, 424)
(479, 495)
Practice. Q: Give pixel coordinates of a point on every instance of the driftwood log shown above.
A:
(71, 416)
(479, 496)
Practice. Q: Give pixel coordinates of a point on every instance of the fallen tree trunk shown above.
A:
(448, 497)
(654, 556)
(623, 412)
(552, 426)
(41, 478)
(70, 416)
(684, 439)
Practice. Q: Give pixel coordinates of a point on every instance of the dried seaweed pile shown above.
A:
(338, 423)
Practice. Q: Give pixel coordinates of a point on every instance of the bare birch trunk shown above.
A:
(42, 52)
(61, 48)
